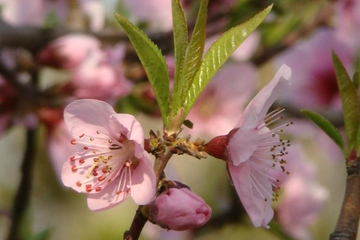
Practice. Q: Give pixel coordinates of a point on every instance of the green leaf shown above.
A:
(356, 79)
(357, 142)
(217, 55)
(326, 126)
(349, 102)
(192, 59)
(180, 32)
(153, 62)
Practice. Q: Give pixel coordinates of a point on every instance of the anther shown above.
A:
(73, 141)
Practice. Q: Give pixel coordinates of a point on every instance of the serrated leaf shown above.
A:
(192, 59)
(326, 126)
(180, 32)
(153, 62)
(218, 53)
(349, 101)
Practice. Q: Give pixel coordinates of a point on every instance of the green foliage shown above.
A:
(326, 126)
(217, 55)
(356, 79)
(192, 59)
(153, 62)
(192, 71)
(349, 102)
(180, 32)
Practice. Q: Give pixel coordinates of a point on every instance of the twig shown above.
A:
(139, 219)
(22, 196)
(137, 225)
(348, 222)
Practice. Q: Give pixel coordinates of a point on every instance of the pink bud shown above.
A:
(179, 209)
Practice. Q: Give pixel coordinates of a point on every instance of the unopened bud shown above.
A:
(179, 209)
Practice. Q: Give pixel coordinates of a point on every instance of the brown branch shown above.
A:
(348, 222)
(22, 197)
(137, 225)
(140, 219)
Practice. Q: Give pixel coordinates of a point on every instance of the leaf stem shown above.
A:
(348, 222)
(22, 197)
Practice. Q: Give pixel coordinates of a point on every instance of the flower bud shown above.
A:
(179, 209)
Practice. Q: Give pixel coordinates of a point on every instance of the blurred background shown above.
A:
(55, 51)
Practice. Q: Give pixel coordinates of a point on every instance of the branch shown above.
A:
(137, 225)
(22, 196)
(348, 222)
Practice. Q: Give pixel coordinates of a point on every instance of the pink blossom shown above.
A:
(59, 148)
(69, 51)
(97, 77)
(113, 164)
(156, 13)
(179, 209)
(314, 83)
(18, 12)
(253, 150)
(347, 22)
(95, 12)
(300, 187)
(213, 112)
(247, 49)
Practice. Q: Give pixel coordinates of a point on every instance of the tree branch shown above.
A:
(22, 197)
(137, 225)
(348, 222)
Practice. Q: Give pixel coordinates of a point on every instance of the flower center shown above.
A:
(103, 160)
(264, 160)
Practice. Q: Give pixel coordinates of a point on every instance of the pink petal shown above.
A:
(132, 126)
(107, 198)
(259, 210)
(242, 145)
(261, 103)
(143, 182)
(87, 116)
